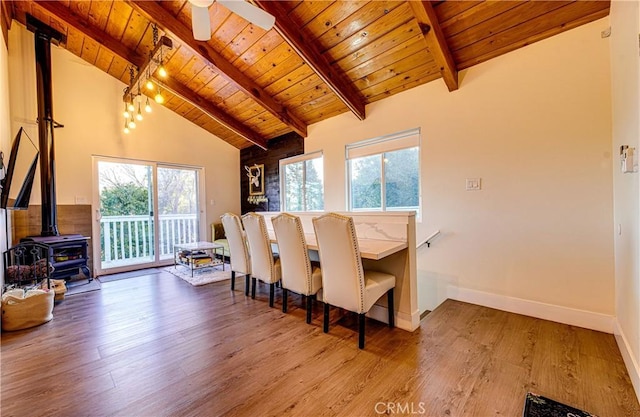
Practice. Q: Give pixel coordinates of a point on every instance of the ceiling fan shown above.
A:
(202, 25)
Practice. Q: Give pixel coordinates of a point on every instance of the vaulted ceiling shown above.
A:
(247, 85)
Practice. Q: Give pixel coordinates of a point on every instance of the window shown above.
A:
(384, 173)
(302, 183)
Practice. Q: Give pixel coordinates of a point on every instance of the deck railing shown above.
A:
(128, 239)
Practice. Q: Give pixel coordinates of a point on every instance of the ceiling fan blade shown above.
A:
(248, 11)
(200, 23)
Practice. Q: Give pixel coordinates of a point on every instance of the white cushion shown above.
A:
(263, 266)
(345, 284)
(297, 275)
(239, 253)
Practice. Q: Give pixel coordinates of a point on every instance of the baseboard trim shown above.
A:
(404, 321)
(630, 362)
(560, 314)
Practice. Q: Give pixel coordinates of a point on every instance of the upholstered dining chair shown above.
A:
(297, 273)
(345, 283)
(263, 265)
(238, 251)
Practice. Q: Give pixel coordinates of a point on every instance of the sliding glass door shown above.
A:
(142, 210)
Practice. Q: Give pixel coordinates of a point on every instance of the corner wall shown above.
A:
(535, 125)
(625, 86)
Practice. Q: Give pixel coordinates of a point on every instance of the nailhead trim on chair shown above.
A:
(356, 252)
(238, 225)
(263, 228)
(307, 265)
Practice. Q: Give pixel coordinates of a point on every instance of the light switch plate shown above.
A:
(473, 184)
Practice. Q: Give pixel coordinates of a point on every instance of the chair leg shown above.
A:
(233, 280)
(272, 289)
(309, 305)
(390, 307)
(247, 280)
(361, 318)
(325, 327)
(253, 288)
(285, 293)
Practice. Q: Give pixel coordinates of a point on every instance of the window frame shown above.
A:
(378, 146)
(294, 160)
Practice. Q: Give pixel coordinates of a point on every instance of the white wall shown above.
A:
(625, 67)
(5, 140)
(89, 104)
(535, 125)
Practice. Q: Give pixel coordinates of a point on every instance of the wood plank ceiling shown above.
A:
(321, 59)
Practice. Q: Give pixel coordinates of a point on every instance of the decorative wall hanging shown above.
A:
(256, 179)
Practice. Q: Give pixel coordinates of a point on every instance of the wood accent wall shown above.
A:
(72, 219)
(281, 147)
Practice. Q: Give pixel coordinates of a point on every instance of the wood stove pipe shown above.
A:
(44, 36)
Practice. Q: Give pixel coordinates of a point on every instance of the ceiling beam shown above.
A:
(78, 23)
(312, 55)
(212, 111)
(436, 42)
(116, 47)
(154, 12)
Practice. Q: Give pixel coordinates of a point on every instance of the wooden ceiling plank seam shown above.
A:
(548, 21)
(305, 11)
(523, 12)
(270, 61)
(301, 88)
(266, 44)
(99, 14)
(400, 51)
(145, 43)
(154, 12)
(412, 84)
(476, 15)
(447, 10)
(511, 46)
(436, 42)
(311, 54)
(331, 16)
(357, 23)
(228, 31)
(117, 23)
(407, 33)
(283, 73)
(392, 70)
(184, 92)
(75, 21)
(243, 41)
(372, 32)
(421, 71)
(90, 50)
(294, 79)
(420, 75)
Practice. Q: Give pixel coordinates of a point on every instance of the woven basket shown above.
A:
(22, 310)
(58, 286)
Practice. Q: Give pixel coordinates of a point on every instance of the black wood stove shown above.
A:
(67, 254)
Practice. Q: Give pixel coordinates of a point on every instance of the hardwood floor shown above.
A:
(156, 346)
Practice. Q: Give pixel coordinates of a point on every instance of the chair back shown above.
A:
(294, 256)
(342, 272)
(239, 254)
(262, 265)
